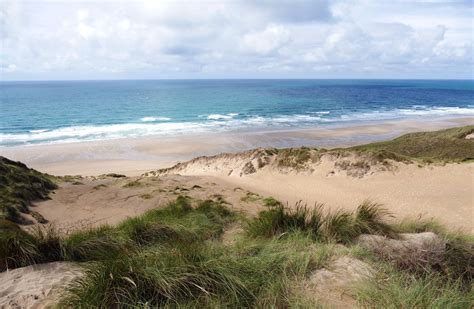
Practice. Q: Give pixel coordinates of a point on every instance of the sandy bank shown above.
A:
(413, 190)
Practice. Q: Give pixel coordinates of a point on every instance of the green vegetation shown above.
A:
(271, 202)
(173, 257)
(98, 187)
(115, 175)
(448, 145)
(250, 197)
(146, 196)
(395, 289)
(340, 227)
(457, 262)
(133, 184)
(19, 186)
(44, 244)
(297, 158)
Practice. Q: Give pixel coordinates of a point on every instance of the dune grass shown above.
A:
(296, 158)
(19, 186)
(264, 268)
(178, 221)
(339, 226)
(254, 273)
(173, 257)
(429, 279)
(176, 260)
(448, 145)
(393, 288)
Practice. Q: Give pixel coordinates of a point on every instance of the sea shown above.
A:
(46, 112)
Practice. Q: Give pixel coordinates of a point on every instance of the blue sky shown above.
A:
(42, 40)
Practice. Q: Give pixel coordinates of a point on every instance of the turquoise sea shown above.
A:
(71, 111)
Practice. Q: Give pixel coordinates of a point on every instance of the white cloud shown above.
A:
(240, 38)
(266, 41)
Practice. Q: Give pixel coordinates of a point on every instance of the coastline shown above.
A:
(133, 156)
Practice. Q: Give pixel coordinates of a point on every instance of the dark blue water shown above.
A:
(66, 111)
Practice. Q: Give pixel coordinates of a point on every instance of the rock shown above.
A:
(332, 286)
(407, 242)
(412, 250)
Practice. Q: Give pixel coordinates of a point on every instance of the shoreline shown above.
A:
(133, 156)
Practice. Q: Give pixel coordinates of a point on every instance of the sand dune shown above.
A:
(444, 192)
(89, 201)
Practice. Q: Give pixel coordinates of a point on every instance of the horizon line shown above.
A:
(229, 78)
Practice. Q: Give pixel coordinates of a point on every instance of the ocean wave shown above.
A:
(152, 119)
(221, 116)
(100, 132)
(320, 113)
(219, 122)
(413, 112)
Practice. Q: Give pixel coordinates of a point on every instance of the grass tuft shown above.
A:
(340, 226)
(279, 220)
(271, 202)
(370, 219)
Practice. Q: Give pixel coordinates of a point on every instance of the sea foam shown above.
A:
(152, 119)
(227, 123)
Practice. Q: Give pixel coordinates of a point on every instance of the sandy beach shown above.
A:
(236, 154)
(440, 191)
(133, 157)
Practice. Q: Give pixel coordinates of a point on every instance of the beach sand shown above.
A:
(415, 190)
(133, 157)
(36, 286)
(444, 192)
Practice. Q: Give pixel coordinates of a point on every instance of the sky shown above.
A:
(154, 39)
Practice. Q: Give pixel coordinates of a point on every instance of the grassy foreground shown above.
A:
(175, 257)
